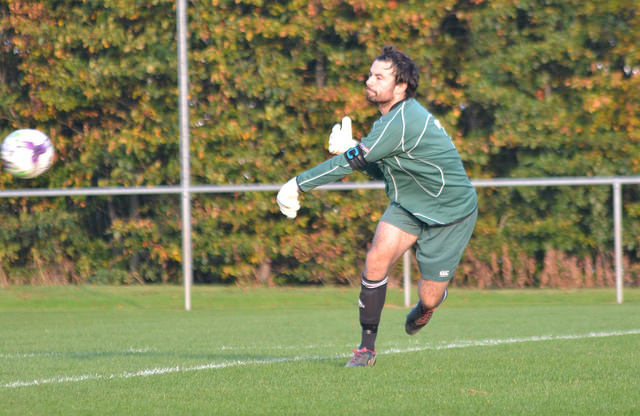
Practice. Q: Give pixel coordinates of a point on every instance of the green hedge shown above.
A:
(527, 89)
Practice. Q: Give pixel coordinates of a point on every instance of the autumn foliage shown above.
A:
(527, 89)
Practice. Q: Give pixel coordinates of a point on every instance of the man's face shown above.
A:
(381, 84)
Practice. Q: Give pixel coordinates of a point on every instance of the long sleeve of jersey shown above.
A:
(418, 161)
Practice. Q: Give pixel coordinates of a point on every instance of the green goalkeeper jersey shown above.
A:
(421, 168)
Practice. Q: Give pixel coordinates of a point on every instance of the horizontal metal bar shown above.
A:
(340, 186)
(559, 181)
(36, 192)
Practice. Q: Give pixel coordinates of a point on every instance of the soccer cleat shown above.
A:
(419, 316)
(362, 358)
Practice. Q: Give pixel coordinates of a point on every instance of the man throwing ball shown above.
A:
(433, 203)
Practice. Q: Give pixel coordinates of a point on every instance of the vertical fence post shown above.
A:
(406, 277)
(617, 236)
(183, 106)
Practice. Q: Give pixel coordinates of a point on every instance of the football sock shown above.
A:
(371, 302)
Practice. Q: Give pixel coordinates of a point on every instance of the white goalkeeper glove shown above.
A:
(288, 199)
(340, 139)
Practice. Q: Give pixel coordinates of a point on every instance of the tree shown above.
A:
(527, 89)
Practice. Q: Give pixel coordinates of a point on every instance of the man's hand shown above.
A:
(288, 199)
(340, 139)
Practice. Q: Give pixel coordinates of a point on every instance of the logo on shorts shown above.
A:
(444, 273)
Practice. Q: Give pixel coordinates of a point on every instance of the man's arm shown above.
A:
(382, 141)
(329, 171)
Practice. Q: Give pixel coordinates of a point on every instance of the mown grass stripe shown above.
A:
(240, 363)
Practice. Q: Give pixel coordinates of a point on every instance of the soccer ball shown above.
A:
(27, 153)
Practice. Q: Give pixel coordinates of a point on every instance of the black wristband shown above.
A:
(355, 158)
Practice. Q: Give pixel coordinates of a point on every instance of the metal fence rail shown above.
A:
(615, 182)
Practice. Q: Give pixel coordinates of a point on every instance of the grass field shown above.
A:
(93, 350)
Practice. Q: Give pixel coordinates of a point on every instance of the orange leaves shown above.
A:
(27, 11)
(523, 91)
(595, 103)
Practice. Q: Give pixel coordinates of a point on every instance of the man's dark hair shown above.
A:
(404, 68)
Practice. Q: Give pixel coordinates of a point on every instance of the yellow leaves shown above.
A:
(595, 103)
(270, 78)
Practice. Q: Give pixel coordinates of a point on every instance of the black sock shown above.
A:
(371, 302)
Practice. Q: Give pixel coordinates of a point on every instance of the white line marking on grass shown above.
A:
(493, 342)
(157, 371)
(243, 363)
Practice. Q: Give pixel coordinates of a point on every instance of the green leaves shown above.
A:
(526, 89)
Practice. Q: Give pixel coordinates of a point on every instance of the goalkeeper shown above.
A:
(433, 203)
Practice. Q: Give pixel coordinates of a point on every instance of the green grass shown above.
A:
(94, 350)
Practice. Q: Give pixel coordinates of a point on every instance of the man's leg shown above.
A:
(389, 243)
(439, 252)
(432, 294)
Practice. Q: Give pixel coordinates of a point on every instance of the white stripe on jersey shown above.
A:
(322, 174)
(400, 110)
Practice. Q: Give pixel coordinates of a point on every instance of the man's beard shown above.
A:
(375, 99)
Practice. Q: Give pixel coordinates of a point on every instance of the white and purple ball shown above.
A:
(27, 153)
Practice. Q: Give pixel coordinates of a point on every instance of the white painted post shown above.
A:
(617, 237)
(183, 107)
(406, 275)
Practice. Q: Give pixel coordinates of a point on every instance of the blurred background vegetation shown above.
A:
(533, 88)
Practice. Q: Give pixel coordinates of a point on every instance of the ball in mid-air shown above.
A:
(27, 153)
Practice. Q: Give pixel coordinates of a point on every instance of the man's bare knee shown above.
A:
(432, 292)
(376, 266)
(389, 242)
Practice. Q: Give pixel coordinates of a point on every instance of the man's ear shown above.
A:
(400, 90)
